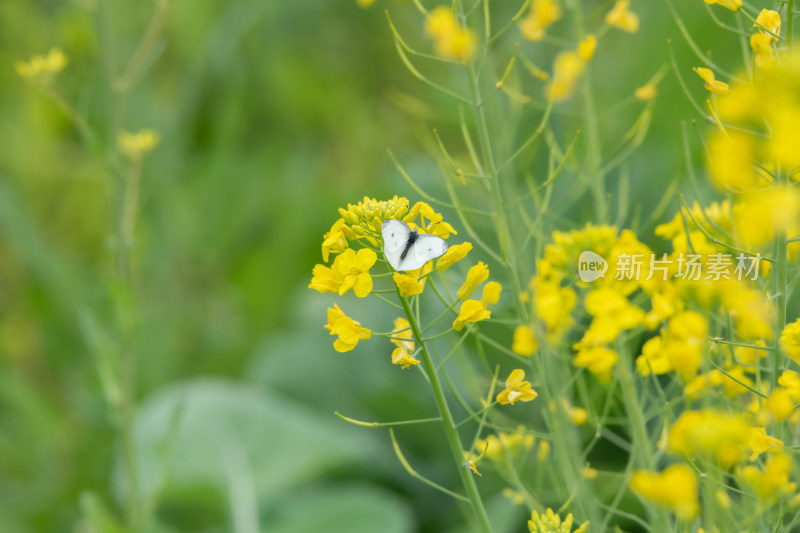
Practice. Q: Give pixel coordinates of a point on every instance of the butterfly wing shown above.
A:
(425, 248)
(395, 237)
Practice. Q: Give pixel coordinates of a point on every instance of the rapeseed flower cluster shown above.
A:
(41, 70)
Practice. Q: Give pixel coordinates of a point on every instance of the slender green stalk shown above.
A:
(781, 286)
(453, 439)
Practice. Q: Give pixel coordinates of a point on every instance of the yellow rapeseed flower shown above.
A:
(544, 451)
(760, 442)
(790, 381)
(408, 285)
(733, 5)
(599, 360)
(471, 311)
(41, 70)
(622, 17)
(773, 480)
(587, 47)
(403, 336)
(790, 341)
(771, 21)
(517, 389)
(567, 69)
(550, 522)
(645, 92)
(134, 146)
(761, 43)
(403, 358)
(714, 434)
(675, 488)
(348, 330)
(780, 404)
(335, 240)
(451, 40)
(542, 15)
(350, 270)
(491, 293)
(524, 343)
(712, 84)
(553, 304)
(477, 274)
(503, 445)
(577, 415)
(453, 254)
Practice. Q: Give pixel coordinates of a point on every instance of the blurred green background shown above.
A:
(272, 115)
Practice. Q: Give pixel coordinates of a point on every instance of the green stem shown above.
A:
(781, 286)
(789, 24)
(453, 439)
(594, 155)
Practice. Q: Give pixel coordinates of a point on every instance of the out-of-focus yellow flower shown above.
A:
(517, 389)
(760, 442)
(542, 15)
(712, 84)
(599, 360)
(350, 270)
(453, 254)
(334, 241)
(348, 330)
(723, 499)
(714, 434)
(403, 358)
(733, 385)
(544, 451)
(587, 47)
(365, 3)
(771, 21)
(750, 356)
(477, 274)
(516, 497)
(408, 285)
(41, 70)
(491, 293)
(504, 445)
(612, 314)
(645, 92)
(780, 404)
(675, 488)
(577, 415)
(549, 522)
(733, 5)
(134, 146)
(450, 39)
(761, 43)
(471, 311)
(588, 472)
(553, 304)
(622, 17)
(524, 343)
(403, 336)
(773, 480)
(730, 162)
(790, 341)
(790, 380)
(567, 70)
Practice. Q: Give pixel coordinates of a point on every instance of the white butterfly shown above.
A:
(406, 249)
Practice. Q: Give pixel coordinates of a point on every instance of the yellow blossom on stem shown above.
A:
(567, 70)
(599, 360)
(524, 343)
(550, 522)
(335, 240)
(408, 285)
(136, 145)
(770, 21)
(403, 358)
(453, 254)
(350, 270)
(577, 415)
(402, 335)
(790, 381)
(348, 330)
(499, 447)
(542, 15)
(711, 433)
(790, 341)
(491, 293)
(544, 451)
(761, 43)
(471, 311)
(451, 40)
(517, 389)
(733, 5)
(587, 47)
(42, 70)
(622, 17)
(645, 92)
(675, 488)
(773, 480)
(553, 304)
(712, 84)
(476, 275)
(780, 404)
(760, 442)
